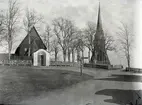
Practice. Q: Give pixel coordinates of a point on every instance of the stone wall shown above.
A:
(60, 63)
(102, 66)
(16, 62)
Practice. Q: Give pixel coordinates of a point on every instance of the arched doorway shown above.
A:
(41, 58)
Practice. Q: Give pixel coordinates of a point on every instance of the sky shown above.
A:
(81, 11)
(137, 53)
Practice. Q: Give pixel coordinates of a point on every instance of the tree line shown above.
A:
(62, 35)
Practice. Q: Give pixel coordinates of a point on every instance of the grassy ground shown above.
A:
(19, 83)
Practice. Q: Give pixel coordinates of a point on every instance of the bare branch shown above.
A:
(109, 42)
(47, 36)
(89, 32)
(31, 18)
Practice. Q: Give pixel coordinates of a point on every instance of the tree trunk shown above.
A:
(9, 47)
(78, 55)
(69, 55)
(64, 55)
(89, 56)
(48, 43)
(128, 61)
(82, 55)
(9, 51)
(56, 54)
(29, 50)
(93, 57)
(72, 55)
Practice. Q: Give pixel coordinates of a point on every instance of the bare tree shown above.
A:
(47, 37)
(11, 23)
(55, 48)
(72, 37)
(31, 19)
(73, 45)
(80, 48)
(80, 44)
(89, 32)
(63, 31)
(126, 41)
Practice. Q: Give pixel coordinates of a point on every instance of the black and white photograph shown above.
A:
(70, 52)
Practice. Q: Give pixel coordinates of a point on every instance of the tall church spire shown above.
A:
(99, 22)
(99, 54)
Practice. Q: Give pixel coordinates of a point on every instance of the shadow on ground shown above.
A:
(123, 78)
(121, 97)
(24, 83)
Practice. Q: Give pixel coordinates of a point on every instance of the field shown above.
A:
(21, 83)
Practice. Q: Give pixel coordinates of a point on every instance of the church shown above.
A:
(32, 47)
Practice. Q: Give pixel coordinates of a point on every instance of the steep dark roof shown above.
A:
(33, 28)
(36, 43)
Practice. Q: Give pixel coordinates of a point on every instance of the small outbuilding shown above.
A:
(41, 58)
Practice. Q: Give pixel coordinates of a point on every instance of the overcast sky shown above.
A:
(81, 11)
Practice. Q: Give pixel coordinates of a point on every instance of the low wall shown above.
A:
(59, 63)
(103, 66)
(116, 67)
(16, 62)
(4, 56)
(134, 69)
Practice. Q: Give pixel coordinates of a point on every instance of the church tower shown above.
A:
(99, 55)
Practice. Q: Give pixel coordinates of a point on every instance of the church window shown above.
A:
(25, 49)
